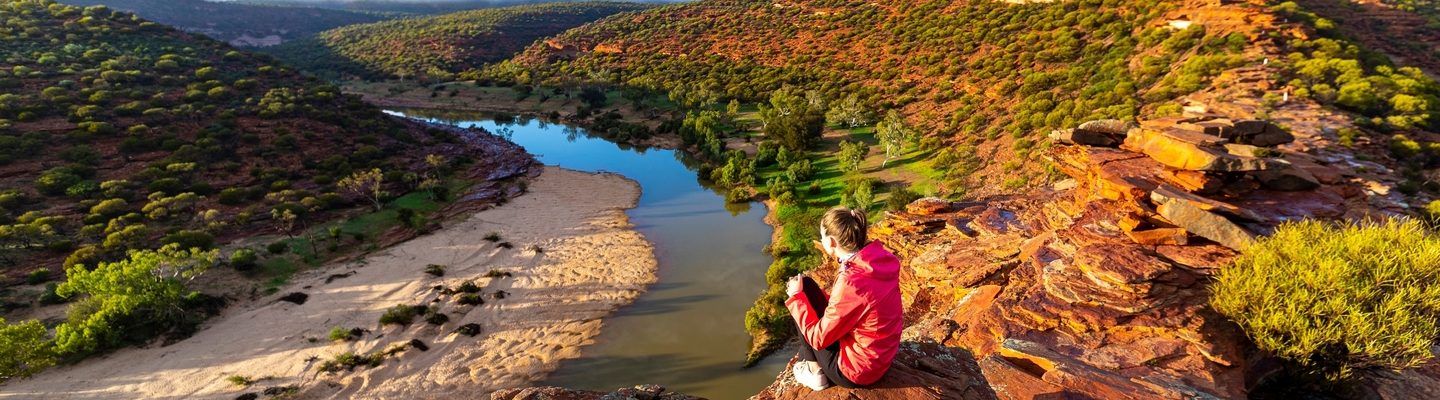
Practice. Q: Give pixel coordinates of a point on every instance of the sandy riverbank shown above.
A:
(590, 262)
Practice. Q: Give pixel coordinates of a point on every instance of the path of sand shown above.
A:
(591, 262)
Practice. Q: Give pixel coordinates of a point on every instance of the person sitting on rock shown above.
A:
(850, 337)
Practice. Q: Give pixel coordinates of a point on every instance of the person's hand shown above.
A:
(793, 285)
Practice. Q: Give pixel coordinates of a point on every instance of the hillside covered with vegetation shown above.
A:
(239, 24)
(961, 93)
(437, 47)
(119, 136)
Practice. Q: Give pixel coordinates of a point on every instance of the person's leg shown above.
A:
(829, 357)
(830, 366)
(818, 300)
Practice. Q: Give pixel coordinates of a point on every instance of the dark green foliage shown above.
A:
(470, 329)
(455, 42)
(243, 259)
(230, 21)
(49, 296)
(791, 119)
(468, 287)
(1336, 71)
(99, 108)
(435, 270)
(37, 276)
(436, 318)
(495, 273)
(348, 361)
(277, 247)
(402, 314)
(899, 198)
(470, 299)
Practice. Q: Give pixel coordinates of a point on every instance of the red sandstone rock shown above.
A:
(1190, 151)
(641, 392)
(1160, 236)
(920, 371)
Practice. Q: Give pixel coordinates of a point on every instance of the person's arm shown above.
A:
(841, 315)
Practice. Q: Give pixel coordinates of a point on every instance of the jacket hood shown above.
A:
(876, 262)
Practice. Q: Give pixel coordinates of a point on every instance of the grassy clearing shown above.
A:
(768, 321)
(359, 233)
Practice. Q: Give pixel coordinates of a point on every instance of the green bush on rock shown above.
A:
(1335, 299)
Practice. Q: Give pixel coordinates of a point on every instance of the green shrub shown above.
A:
(243, 259)
(435, 270)
(341, 334)
(899, 198)
(349, 360)
(470, 329)
(187, 239)
(1432, 213)
(1336, 299)
(24, 349)
(277, 247)
(239, 380)
(37, 276)
(436, 318)
(54, 181)
(402, 314)
(471, 299)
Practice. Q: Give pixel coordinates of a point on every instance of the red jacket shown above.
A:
(864, 314)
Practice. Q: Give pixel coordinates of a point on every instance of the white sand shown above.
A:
(592, 263)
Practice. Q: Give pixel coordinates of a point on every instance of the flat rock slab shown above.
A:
(920, 371)
(1191, 151)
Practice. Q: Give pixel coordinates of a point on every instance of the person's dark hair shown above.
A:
(847, 226)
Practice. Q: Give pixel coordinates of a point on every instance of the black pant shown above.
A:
(828, 357)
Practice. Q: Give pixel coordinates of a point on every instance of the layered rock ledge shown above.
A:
(1097, 286)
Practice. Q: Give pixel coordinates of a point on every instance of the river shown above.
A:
(687, 331)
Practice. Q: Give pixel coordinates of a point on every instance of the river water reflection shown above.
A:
(687, 332)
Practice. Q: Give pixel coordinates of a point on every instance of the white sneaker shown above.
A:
(808, 373)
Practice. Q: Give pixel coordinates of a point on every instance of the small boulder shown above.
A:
(1191, 151)
(295, 297)
(1287, 179)
(1194, 217)
(1259, 133)
(929, 206)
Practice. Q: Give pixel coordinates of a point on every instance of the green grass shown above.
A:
(794, 249)
(277, 269)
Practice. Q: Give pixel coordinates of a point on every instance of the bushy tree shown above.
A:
(894, 135)
(367, 184)
(790, 119)
(851, 155)
(131, 300)
(849, 112)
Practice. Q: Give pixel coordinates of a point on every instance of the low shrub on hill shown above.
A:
(1336, 299)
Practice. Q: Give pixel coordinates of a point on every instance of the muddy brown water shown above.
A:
(687, 331)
